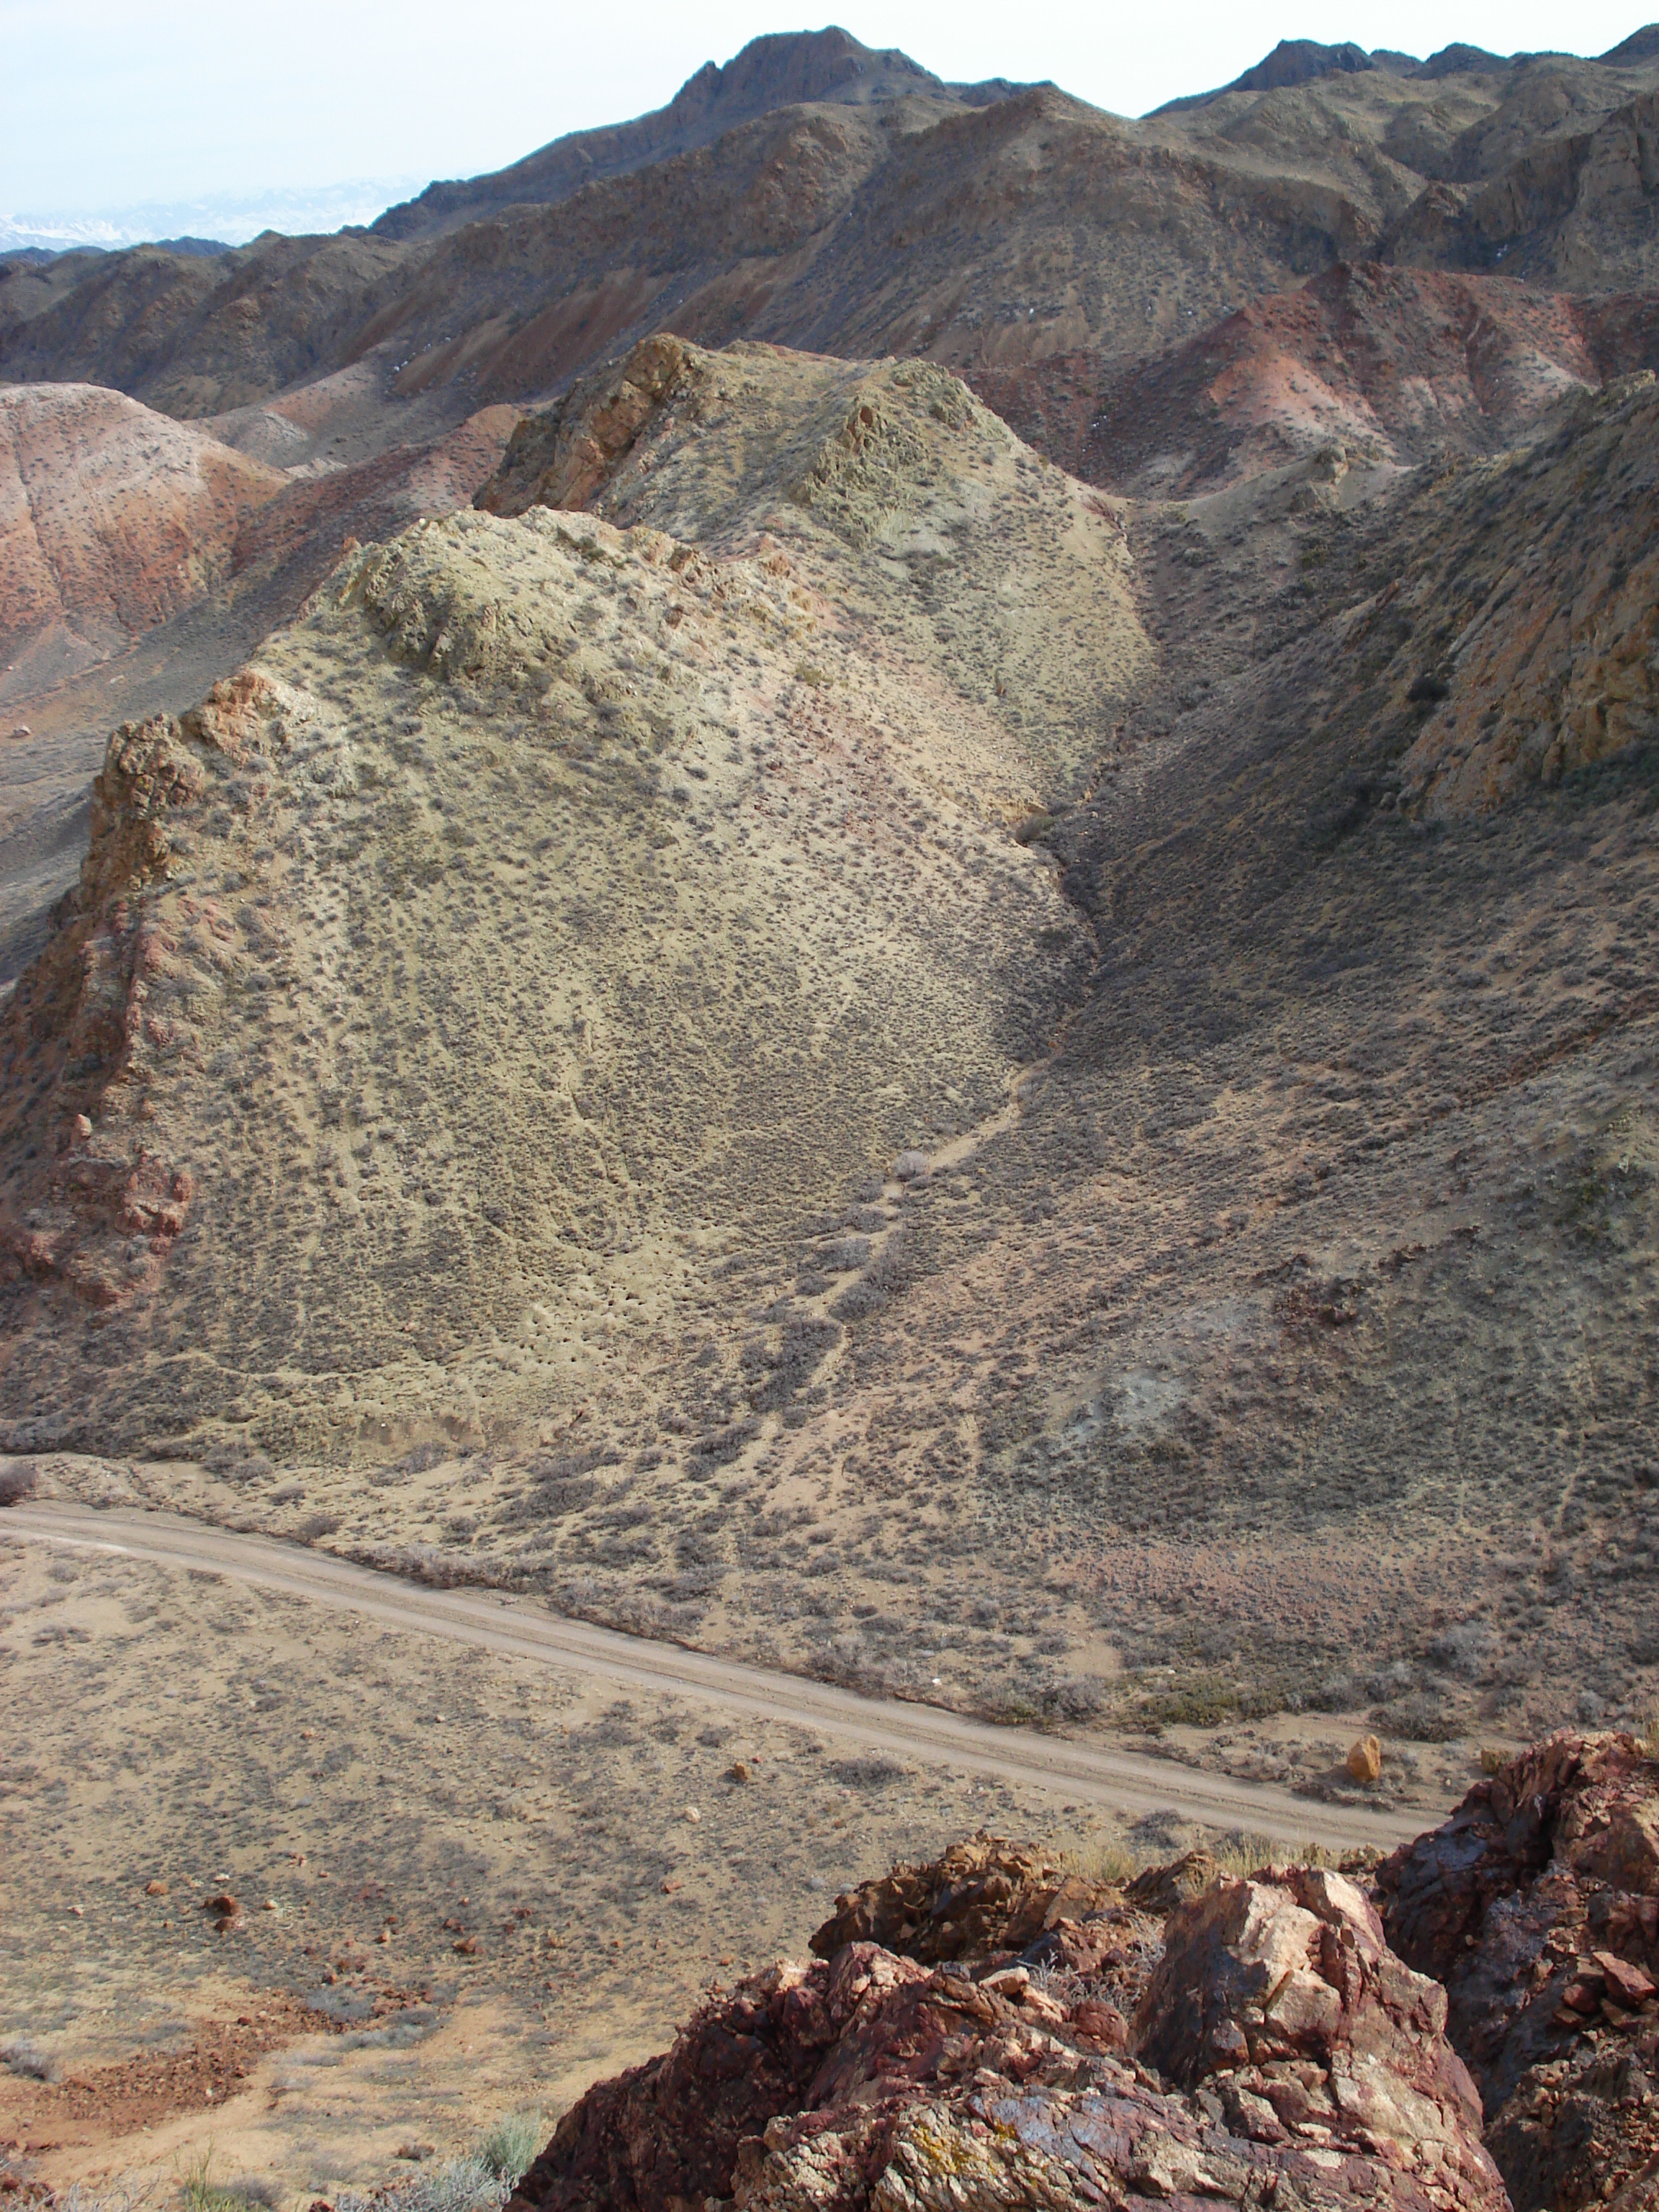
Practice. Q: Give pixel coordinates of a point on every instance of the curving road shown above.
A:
(1084, 1772)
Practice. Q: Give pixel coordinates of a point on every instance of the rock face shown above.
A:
(1546, 680)
(561, 456)
(1280, 2054)
(1537, 1905)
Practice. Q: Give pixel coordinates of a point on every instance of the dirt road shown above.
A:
(1083, 1772)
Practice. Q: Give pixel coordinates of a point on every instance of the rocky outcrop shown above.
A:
(1549, 664)
(1575, 210)
(561, 457)
(1281, 2055)
(1537, 1905)
(982, 1897)
(93, 1194)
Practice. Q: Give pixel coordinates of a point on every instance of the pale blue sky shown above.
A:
(108, 103)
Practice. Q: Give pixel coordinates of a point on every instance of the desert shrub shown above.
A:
(508, 2148)
(1199, 1704)
(78, 2197)
(1102, 1862)
(21, 2054)
(1079, 1697)
(17, 1482)
(202, 2193)
(1419, 1718)
(909, 1167)
(850, 1252)
(886, 1274)
(871, 1772)
(459, 2184)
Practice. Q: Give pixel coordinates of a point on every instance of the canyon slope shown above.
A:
(836, 1009)
(864, 877)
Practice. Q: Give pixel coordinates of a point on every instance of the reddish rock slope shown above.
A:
(111, 520)
(1397, 363)
(1537, 1905)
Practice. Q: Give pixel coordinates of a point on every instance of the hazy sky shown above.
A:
(107, 103)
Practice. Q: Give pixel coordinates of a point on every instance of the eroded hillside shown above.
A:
(854, 1051)
(111, 520)
(556, 909)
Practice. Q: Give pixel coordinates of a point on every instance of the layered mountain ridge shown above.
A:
(894, 224)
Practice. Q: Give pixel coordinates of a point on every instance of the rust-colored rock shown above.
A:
(1537, 1903)
(1162, 1888)
(1364, 1759)
(1305, 2064)
(561, 457)
(982, 1897)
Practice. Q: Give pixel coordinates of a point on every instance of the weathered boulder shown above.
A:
(1161, 1889)
(1537, 1905)
(1365, 1760)
(1283, 1995)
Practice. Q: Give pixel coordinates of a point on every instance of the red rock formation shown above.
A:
(1397, 362)
(1311, 2065)
(111, 520)
(983, 1896)
(92, 1197)
(1537, 1905)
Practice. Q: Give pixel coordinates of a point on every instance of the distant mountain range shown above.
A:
(781, 70)
(215, 219)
